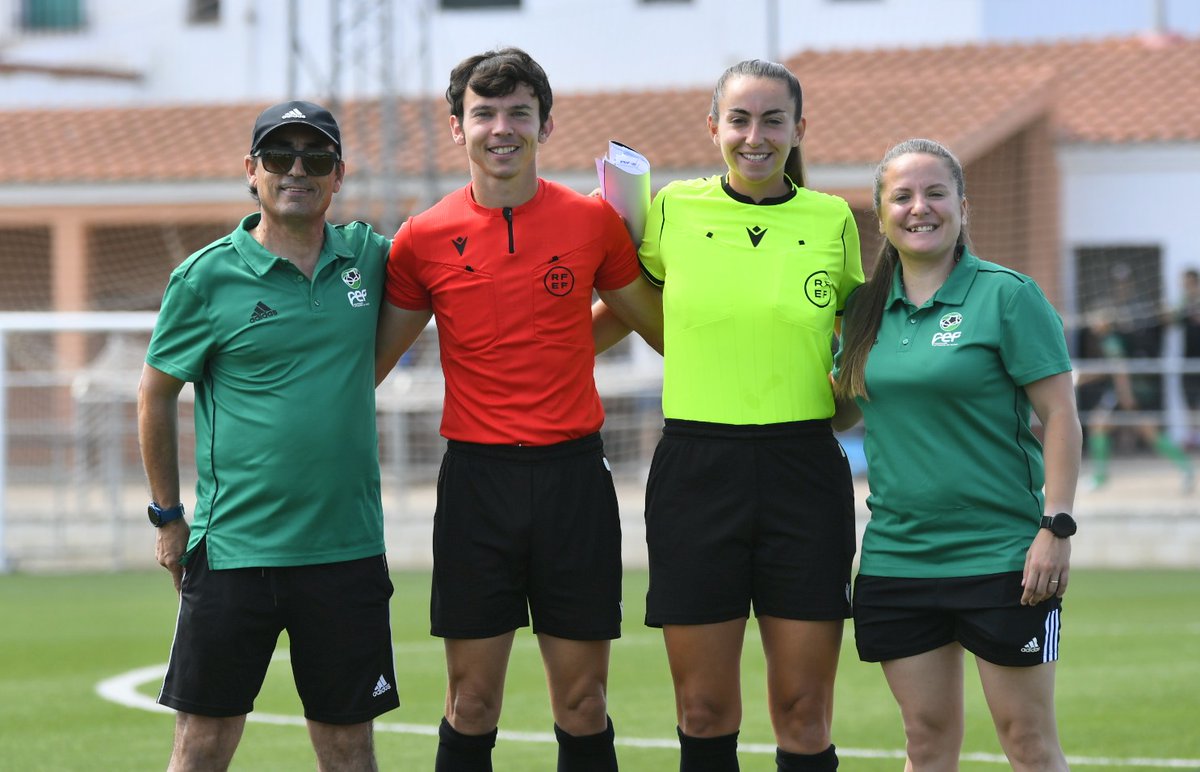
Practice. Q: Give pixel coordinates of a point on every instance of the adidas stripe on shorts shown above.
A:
(897, 617)
(338, 623)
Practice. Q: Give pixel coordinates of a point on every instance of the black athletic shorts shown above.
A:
(896, 618)
(336, 617)
(748, 516)
(526, 530)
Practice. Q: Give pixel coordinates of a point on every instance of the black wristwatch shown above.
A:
(160, 517)
(1061, 525)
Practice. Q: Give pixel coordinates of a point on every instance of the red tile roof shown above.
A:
(1132, 89)
(858, 103)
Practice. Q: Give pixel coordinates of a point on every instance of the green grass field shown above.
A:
(1128, 685)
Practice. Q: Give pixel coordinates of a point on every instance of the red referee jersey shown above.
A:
(511, 292)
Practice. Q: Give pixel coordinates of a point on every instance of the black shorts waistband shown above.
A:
(680, 427)
(577, 447)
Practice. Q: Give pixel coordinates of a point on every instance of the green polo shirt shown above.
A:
(955, 471)
(751, 293)
(284, 374)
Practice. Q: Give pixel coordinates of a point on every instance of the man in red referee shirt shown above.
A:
(526, 522)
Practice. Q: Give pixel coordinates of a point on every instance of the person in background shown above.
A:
(749, 503)
(527, 521)
(1115, 393)
(1187, 315)
(275, 324)
(968, 546)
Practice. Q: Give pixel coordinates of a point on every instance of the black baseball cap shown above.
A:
(296, 111)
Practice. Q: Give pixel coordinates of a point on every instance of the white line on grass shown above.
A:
(123, 690)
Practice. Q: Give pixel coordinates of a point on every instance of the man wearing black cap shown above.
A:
(274, 325)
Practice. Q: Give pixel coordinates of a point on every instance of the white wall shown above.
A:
(1049, 19)
(1132, 195)
(626, 44)
(584, 44)
(178, 62)
(1143, 195)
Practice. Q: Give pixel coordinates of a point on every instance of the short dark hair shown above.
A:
(498, 73)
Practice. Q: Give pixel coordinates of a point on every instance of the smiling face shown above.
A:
(295, 194)
(501, 135)
(756, 128)
(920, 208)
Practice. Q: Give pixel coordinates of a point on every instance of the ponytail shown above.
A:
(864, 310)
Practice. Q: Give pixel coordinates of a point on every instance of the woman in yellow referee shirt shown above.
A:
(749, 503)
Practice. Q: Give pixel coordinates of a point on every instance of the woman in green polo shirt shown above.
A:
(944, 357)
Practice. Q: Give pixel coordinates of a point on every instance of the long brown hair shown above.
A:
(757, 68)
(865, 311)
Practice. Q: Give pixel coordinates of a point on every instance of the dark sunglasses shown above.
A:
(318, 163)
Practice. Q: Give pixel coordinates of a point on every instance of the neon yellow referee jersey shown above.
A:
(750, 296)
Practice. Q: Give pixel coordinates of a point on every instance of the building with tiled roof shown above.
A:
(1041, 128)
(117, 53)
(126, 137)
(1137, 89)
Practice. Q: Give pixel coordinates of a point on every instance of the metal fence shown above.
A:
(73, 493)
(72, 490)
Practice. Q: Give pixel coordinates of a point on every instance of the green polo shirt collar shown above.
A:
(952, 293)
(261, 260)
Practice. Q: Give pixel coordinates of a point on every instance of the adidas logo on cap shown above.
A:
(291, 113)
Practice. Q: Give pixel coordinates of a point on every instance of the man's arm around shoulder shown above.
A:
(398, 329)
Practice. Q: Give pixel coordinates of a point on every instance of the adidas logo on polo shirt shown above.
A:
(262, 311)
(381, 686)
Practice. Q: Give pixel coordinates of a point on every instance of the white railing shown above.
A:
(47, 323)
(72, 491)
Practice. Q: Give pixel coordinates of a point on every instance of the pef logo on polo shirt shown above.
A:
(357, 295)
(948, 332)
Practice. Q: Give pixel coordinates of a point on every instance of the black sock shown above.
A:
(825, 761)
(586, 753)
(458, 752)
(707, 754)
